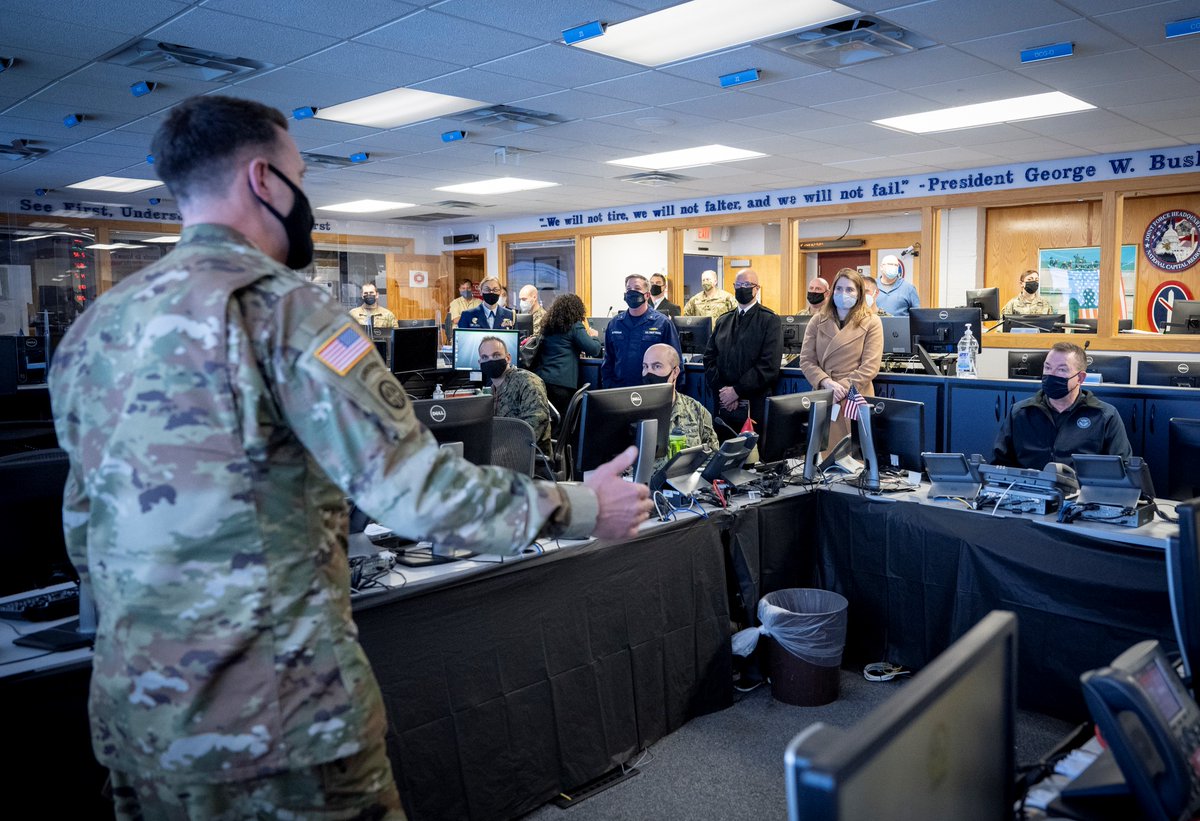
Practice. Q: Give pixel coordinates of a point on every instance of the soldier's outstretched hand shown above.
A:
(623, 505)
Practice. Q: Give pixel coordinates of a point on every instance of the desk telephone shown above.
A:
(1152, 726)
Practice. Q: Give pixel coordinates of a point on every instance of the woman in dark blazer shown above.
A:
(565, 335)
(843, 345)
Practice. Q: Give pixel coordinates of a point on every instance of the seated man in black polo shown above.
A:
(1061, 419)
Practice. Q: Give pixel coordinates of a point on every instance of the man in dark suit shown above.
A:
(660, 299)
(492, 313)
(741, 362)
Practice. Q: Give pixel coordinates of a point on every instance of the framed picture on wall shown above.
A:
(1071, 280)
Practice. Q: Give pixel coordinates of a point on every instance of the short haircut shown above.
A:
(368, 285)
(868, 278)
(495, 280)
(663, 277)
(465, 281)
(495, 339)
(1027, 273)
(199, 145)
(631, 277)
(1074, 350)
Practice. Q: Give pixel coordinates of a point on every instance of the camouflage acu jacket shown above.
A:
(217, 410)
(523, 396)
(711, 305)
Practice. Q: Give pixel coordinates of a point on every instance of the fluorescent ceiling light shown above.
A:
(365, 206)
(1011, 110)
(400, 106)
(47, 225)
(703, 26)
(120, 185)
(32, 238)
(112, 246)
(164, 238)
(503, 185)
(687, 158)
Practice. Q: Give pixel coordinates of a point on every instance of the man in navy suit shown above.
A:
(491, 314)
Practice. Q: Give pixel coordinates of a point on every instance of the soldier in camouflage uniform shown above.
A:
(217, 410)
(519, 394)
(711, 301)
(660, 364)
(1028, 301)
(372, 314)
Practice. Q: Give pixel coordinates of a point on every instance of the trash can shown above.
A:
(807, 632)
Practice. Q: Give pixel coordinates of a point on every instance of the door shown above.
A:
(693, 266)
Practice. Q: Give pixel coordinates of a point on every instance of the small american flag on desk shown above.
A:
(852, 404)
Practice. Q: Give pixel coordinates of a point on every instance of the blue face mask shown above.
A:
(845, 301)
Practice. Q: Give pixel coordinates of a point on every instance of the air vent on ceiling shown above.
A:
(184, 61)
(432, 216)
(654, 179)
(324, 162)
(19, 150)
(849, 42)
(461, 205)
(507, 117)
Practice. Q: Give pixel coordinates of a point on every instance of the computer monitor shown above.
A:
(1183, 447)
(466, 346)
(1185, 317)
(1183, 585)
(938, 330)
(1113, 368)
(1165, 373)
(34, 553)
(985, 299)
(941, 747)
(598, 324)
(1034, 323)
(786, 423)
(1026, 364)
(608, 422)
(416, 323)
(415, 348)
(898, 431)
(694, 332)
(8, 364)
(465, 419)
(794, 326)
(897, 334)
(524, 325)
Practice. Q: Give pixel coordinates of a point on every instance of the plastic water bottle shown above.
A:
(438, 393)
(968, 351)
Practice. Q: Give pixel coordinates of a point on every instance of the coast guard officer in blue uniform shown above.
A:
(629, 335)
(490, 314)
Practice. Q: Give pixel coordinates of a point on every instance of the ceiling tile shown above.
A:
(388, 68)
(1144, 25)
(477, 84)
(651, 88)
(544, 19)
(829, 87)
(227, 34)
(953, 21)
(316, 15)
(457, 41)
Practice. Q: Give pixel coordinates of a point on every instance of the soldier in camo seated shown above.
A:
(518, 393)
(660, 364)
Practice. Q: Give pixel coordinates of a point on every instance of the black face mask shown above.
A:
(744, 296)
(655, 379)
(815, 299)
(490, 299)
(369, 300)
(655, 290)
(635, 299)
(1031, 287)
(493, 368)
(298, 225)
(1055, 387)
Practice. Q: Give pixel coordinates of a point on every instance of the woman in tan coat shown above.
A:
(843, 346)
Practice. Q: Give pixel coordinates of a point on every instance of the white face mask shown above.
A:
(889, 275)
(870, 300)
(526, 306)
(845, 301)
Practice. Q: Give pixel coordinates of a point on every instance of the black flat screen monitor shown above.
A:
(1026, 364)
(898, 431)
(524, 325)
(794, 326)
(1113, 368)
(941, 747)
(694, 332)
(938, 330)
(465, 419)
(416, 323)
(608, 421)
(33, 552)
(786, 424)
(1168, 373)
(897, 334)
(1185, 317)
(466, 346)
(1183, 585)
(1034, 323)
(414, 349)
(8, 364)
(598, 324)
(1183, 447)
(986, 300)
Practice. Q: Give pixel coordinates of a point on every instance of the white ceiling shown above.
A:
(814, 124)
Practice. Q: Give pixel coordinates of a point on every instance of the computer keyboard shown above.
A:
(57, 604)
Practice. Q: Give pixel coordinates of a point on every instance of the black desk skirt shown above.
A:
(505, 690)
(919, 576)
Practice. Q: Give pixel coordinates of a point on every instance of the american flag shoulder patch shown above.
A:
(344, 349)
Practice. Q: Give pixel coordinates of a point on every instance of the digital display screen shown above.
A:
(1154, 681)
(467, 341)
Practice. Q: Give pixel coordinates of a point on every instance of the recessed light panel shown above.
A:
(502, 185)
(120, 185)
(400, 106)
(1011, 110)
(365, 206)
(687, 158)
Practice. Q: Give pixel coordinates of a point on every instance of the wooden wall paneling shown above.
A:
(418, 303)
(583, 268)
(767, 267)
(1138, 213)
(789, 273)
(1110, 262)
(928, 278)
(1015, 235)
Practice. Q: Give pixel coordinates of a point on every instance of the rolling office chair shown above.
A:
(563, 457)
(513, 445)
